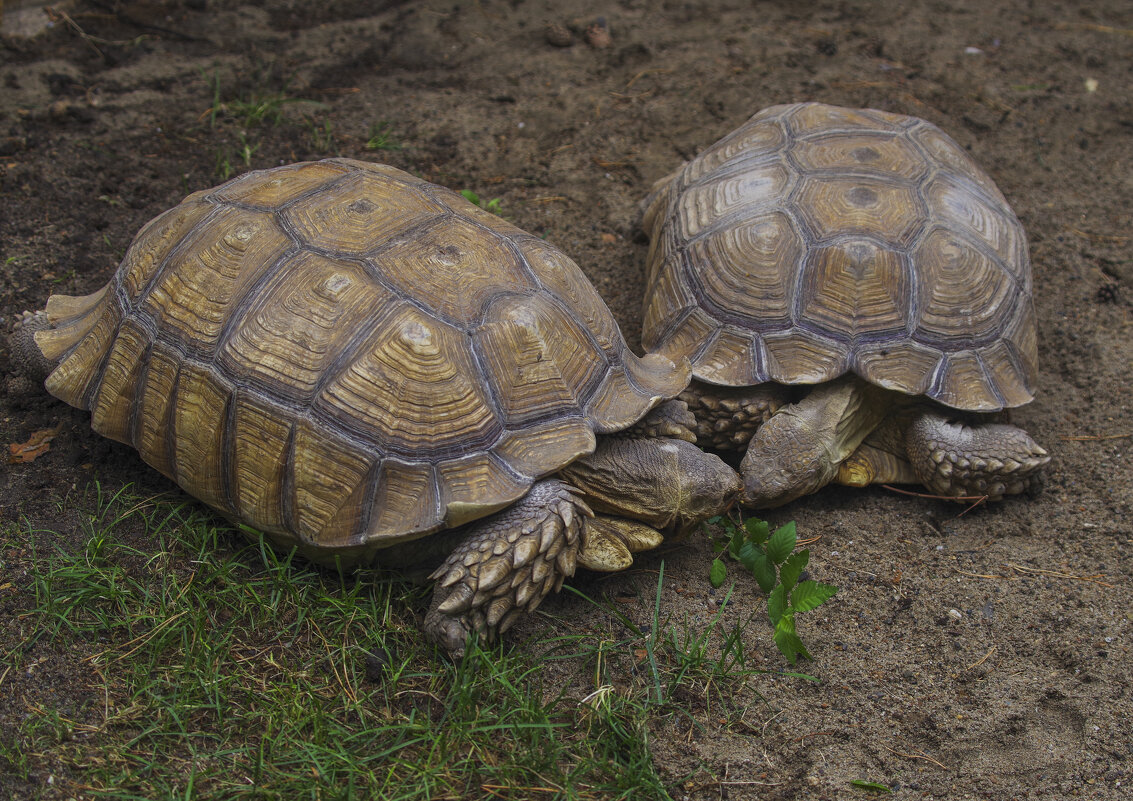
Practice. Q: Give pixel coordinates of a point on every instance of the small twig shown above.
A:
(976, 499)
(959, 498)
(988, 576)
(643, 73)
(994, 648)
(851, 569)
(1057, 574)
(1093, 26)
(921, 755)
(1096, 437)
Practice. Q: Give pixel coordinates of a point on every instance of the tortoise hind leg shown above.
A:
(957, 459)
(30, 365)
(505, 565)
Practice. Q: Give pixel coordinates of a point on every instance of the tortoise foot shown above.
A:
(505, 566)
(955, 459)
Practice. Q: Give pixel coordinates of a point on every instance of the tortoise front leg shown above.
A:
(957, 459)
(505, 565)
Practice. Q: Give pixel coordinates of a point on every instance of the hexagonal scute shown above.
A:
(887, 211)
(805, 118)
(757, 139)
(966, 297)
(667, 299)
(303, 319)
(877, 153)
(954, 204)
(563, 278)
(207, 276)
(538, 361)
(454, 267)
(855, 290)
(155, 241)
(362, 212)
(705, 205)
(747, 268)
(271, 189)
(952, 158)
(413, 389)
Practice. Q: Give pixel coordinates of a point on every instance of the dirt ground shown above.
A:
(117, 110)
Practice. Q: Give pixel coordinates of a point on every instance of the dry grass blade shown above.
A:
(921, 755)
(983, 659)
(1092, 26)
(1057, 574)
(1095, 437)
(988, 576)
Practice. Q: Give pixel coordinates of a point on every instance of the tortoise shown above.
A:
(366, 367)
(854, 294)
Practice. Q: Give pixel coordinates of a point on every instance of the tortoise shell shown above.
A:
(817, 240)
(347, 357)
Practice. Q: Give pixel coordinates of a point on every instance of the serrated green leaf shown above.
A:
(763, 570)
(757, 530)
(776, 604)
(736, 543)
(717, 573)
(788, 641)
(746, 555)
(781, 543)
(810, 594)
(790, 570)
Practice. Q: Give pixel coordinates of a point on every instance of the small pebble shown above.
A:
(558, 35)
(598, 35)
(955, 614)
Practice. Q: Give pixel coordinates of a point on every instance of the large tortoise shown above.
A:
(855, 277)
(350, 360)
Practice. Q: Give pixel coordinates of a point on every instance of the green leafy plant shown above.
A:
(494, 205)
(381, 137)
(771, 558)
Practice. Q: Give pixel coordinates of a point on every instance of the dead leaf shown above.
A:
(38, 444)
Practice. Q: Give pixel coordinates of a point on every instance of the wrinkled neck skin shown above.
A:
(666, 483)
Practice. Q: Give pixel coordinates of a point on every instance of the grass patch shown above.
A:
(163, 658)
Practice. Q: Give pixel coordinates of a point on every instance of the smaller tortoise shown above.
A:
(366, 367)
(865, 255)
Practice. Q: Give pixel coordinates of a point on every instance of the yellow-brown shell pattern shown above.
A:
(347, 357)
(816, 240)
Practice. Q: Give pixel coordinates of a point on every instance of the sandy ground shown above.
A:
(105, 121)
